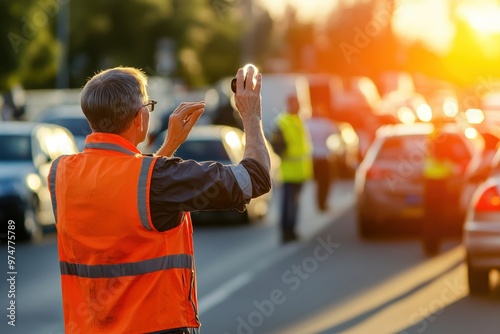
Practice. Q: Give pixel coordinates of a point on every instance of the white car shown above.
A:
(481, 232)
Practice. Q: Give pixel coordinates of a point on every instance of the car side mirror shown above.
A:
(41, 159)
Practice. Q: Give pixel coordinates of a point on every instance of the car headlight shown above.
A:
(474, 116)
(33, 181)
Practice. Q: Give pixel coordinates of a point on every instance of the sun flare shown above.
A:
(483, 18)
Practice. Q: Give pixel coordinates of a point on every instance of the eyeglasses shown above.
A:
(150, 105)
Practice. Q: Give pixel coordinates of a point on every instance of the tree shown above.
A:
(206, 37)
(29, 50)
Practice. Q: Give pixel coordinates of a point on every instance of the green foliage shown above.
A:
(210, 38)
(118, 32)
(28, 48)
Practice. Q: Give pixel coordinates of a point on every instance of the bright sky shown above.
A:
(426, 20)
(483, 15)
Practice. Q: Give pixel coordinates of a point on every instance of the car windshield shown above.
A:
(79, 127)
(203, 150)
(402, 147)
(15, 148)
(413, 148)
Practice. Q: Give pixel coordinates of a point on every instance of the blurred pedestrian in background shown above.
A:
(292, 143)
(439, 170)
(124, 228)
(320, 128)
(13, 104)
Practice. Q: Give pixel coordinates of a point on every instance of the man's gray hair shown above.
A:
(111, 98)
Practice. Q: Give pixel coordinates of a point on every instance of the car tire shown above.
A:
(430, 245)
(478, 279)
(430, 236)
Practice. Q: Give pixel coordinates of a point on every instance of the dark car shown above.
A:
(26, 152)
(223, 144)
(69, 116)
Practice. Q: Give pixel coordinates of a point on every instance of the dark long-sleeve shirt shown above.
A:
(186, 185)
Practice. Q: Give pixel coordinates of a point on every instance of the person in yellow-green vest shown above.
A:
(439, 170)
(292, 143)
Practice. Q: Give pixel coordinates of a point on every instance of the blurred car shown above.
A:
(357, 105)
(226, 145)
(69, 116)
(26, 151)
(481, 234)
(490, 104)
(404, 107)
(343, 144)
(389, 181)
(161, 117)
(473, 120)
(351, 143)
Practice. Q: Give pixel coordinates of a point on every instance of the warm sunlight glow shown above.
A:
(233, 140)
(482, 16)
(424, 20)
(386, 296)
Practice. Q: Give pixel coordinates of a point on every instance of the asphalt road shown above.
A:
(328, 282)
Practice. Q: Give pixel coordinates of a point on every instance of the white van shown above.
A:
(276, 88)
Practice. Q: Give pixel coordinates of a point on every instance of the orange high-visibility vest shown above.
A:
(118, 273)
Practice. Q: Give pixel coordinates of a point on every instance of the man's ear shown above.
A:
(138, 120)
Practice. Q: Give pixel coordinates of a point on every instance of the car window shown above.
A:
(401, 147)
(413, 147)
(456, 148)
(78, 127)
(55, 142)
(15, 148)
(203, 150)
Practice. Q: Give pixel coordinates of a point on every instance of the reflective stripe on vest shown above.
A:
(52, 185)
(109, 147)
(143, 177)
(183, 261)
(141, 189)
